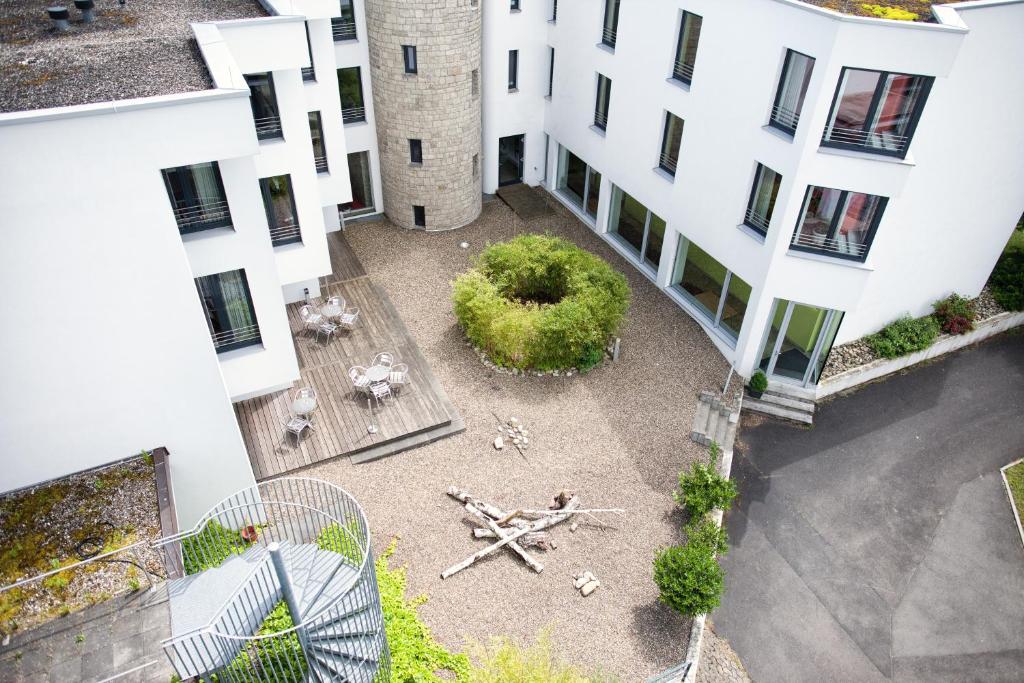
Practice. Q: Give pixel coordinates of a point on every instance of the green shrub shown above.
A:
(885, 12)
(540, 302)
(503, 662)
(955, 314)
(689, 578)
(703, 488)
(1007, 280)
(211, 546)
(904, 336)
(708, 534)
(758, 381)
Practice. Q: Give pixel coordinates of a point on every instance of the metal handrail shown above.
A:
(235, 335)
(600, 118)
(609, 36)
(268, 126)
(785, 117)
(682, 71)
(353, 114)
(321, 163)
(828, 244)
(865, 138)
(668, 162)
(343, 30)
(757, 220)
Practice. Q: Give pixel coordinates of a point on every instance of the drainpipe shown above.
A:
(288, 592)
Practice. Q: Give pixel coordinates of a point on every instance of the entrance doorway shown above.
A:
(510, 159)
(798, 342)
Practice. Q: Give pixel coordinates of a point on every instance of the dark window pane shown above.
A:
(264, 106)
(838, 223)
(344, 27)
(762, 198)
(670, 143)
(631, 220)
(513, 69)
(197, 197)
(419, 215)
(699, 277)
(876, 111)
(409, 56)
(604, 93)
(362, 185)
(227, 306)
(655, 240)
(279, 203)
(686, 50)
(789, 101)
(416, 151)
(316, 132)
(609, 33)
(350, 85)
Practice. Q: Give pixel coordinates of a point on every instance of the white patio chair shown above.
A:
(296, 426)
(326, 327)
(311, 318)
(399, 376)
(360, 382)
(349, 318)
(381, 392)
(385, 359)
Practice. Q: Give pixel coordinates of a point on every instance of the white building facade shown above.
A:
(791, 176)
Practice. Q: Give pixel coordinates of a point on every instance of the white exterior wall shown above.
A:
(362, 136)
(941, 231)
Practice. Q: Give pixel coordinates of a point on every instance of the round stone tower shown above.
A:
(425, 66)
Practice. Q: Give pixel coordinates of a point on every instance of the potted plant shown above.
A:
(758, 383)
(249, 534)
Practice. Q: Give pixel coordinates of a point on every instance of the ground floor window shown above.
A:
(636, 227)
(720, 295)
(362, 186)
(798, 341)
(578, 183)
(227, 305)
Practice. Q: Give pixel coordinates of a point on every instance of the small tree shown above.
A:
(703, 488)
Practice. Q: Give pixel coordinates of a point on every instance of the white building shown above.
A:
(791, 176)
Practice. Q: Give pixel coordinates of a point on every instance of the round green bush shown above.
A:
(542, 303)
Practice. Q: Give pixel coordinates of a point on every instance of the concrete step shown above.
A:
(788, 401)
(776, 410)
(700, 420)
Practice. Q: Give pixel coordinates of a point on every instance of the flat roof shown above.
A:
(921, 8)
(139, 49)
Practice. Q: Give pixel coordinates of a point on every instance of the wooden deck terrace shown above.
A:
(420, 413)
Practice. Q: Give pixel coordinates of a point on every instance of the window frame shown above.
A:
(359, 118)
(268, 207)
(319, 162)
(786, 65)
(513, 6)
(342, 29)
(679, 69)
(232, 346)
(416, 151)
(551, 71)
(876, 101)
(611, 7)
(837, 217)
(758, 177)
(699, 309)
(419, 215)
(607, 102)
(664, 141)
(213, 224)
(270, 130)
(513, 70)
(410, 58)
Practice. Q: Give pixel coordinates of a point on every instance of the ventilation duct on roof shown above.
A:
(86, 8)
(59, 16)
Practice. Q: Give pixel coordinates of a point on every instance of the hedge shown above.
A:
(540, 302)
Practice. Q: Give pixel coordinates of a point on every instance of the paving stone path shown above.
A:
(718, 662)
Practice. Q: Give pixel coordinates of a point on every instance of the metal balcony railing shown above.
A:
(668, 163)
(820, 243)
(308, 73)
(353, 114)
(302, 529)
(600, 119)
(239, 336)
(608, 36)
(286, 233)
(343, 30)
(867, 140)
(268, 127)
(757, 221)
(681, 71)
(321, 164)
(785, 118)
(205, 215)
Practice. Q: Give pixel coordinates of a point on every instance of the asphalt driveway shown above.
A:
(880, 544)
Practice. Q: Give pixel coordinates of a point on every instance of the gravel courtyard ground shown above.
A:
(617, 436)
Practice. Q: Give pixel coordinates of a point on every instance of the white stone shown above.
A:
(581, 581)
(574, 526)
(499, 443)
(590, 587)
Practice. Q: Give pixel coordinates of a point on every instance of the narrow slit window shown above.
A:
(604, 95)
(409, 55)
(762, 199)
(419, 216)
(513, 70)
(416, 151)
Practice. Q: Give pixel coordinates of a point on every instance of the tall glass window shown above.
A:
(686, 48)
(636, 227)
(279, 203)
(719, 295)
(789, 98)
(316, 132)
(513, 69)
(362, 186)
(227, 305)
(344, 27)
(671, 139)
(762, 199)
(350, 85)
(264, 106)
(604, 96)
(197, 197)
(409, 57)
(838, 222)
(577, 182)
(876, 111)
(551, 70)
(798, 341)
(610, 29)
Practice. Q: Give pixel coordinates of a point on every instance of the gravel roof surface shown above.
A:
(140, 49)
(617, 436)
(922, 8)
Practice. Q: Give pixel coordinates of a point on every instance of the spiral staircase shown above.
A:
(308, 556)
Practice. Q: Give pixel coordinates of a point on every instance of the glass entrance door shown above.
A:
(510, 160)
(798, 341)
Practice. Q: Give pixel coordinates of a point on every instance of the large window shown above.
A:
(762, 199)
(282, 217)
(513, 70)
(838, 223)
(362, 186)
(798, 341)
(264, 106)
(316, 132)
(876, 111)
(610, 29)
(671, 139)
(637, 228)
(717, 293)
(789, 98)
(344, 27)
(578, 183)
(686, 49)
(227, 306)
(350, 85)
(197, 197)
(604, 96)
(409, 57)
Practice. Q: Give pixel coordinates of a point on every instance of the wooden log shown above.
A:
(539, 525)
(528, 541)
(490, 510)
(502, 533)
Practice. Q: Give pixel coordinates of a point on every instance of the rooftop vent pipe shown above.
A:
(59, 16)
(86, 8)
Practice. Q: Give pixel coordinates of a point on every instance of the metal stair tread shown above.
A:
(778, 411)
(788, 401)
(352, 624)
(365, 648)
(342, 582)
(327, 670)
